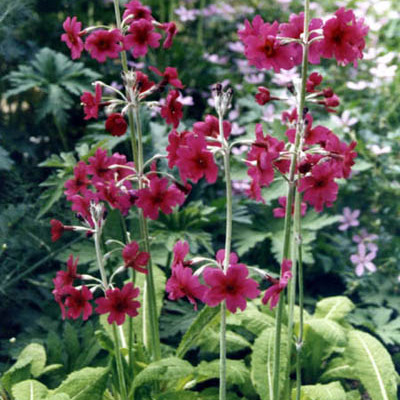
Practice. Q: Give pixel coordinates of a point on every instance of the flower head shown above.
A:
(172, 111)
(170, 76)
(116, 124)
(102, 44)
(77, 302)
(80, 181)
(137, 11)
(362, 260)
(119, 303)
(91, 103)
(72, 36)
(171, 30)
(57, 229)
(210, 127)
(141, 36)
(134, 258)
(281, 211)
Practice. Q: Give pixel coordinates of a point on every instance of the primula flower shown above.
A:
(342, 155)
(362, 260)
(158, 196)
(272, 294)
(116, 124)
(72, 36)
(81, 205)
(210, 127)
(137, 11)
(183, 283)
(80, 181)
(119, 303)
(143, 82)
(195, 161)
(263, 96)
(313, 81)
(134, 258)
(91, 103)
(232, 286)
(99, 166)
(57, 229)
(67, 278)
(172, 110)
(77, 302)
(349, 219)
(176, 140)
(170, 76)
(281, 211)
(141, 35)
(263, 49)
(320, 188)
(181, 250)
(102, 44)
(344, 37)
(171, 30)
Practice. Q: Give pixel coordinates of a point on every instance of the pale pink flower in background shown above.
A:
(285, 76)
(379, 150)
(186, 15)
(186, 100)
(215, 58)
(237, 130)
(345, 121)
(362, 260)
(349, 219)
(255, 79)
(237, 47)
(269, 114)
(237, 151)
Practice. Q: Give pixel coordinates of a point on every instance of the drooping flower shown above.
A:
(57, 229)
(67, 278)
(159, 196)
(272, 294)
(263, 96)
(137, 11)
(320, 189)
(349, 219)
(172, 110)
(344, 37)
(362, 260)
(183, 283)
(343, 155)
(181, 250)
(195, 161)
(91, 103)
(280, 212)
(171, 30)
(119, 303)
(263, 48)
(233, 286)
(141, 36)
(80, 181)
(170, 76)
(134, 258)
(143, 83)
(72, 37)
(102, 44)
(116, 124)
(77, 302)
(176, 140)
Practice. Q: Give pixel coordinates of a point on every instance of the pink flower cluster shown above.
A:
(341, 37)
(233, 285)
(137, 36)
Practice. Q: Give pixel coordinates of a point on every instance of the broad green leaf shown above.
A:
(29, 390)
(334, 308)
(353, 395)
(236, 372)
(314, 221)
(262, 362)
(5, 161)
(209, 341)
(173, 372)
(332, 391)
(252, 320)
(246, 237)
(372, 365)
(60, 396)
(181, 395)
(206, 317)
(338, 368)
(85, 384)
(37, 354)
(20, 371)
(322, 337)
(72, 344)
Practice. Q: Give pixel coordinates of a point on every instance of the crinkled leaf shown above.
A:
(29, 390)
(335, 308)
(331, 391)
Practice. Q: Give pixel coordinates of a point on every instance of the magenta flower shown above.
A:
(141, 36)
(67, 278)
(272, 294)
(77, 302)
(170, 76)
(134, 258)
(176, 140)
(195, 161)
(91, 103)
(210, 127)
(159, 196)
(172, 111)
(102, 44)
(119, 303)
(280, 212)
(362, 260)
(80, 181)
(232, 285)
(171, 30)
(263, 49)
(344, 37)
(72, 37)
(181, 250)
(320, 189)
(342, 155)
(313, 81)
(57, 229)
(349, 219)
(143, 82)
(116, 124)
(137, 10)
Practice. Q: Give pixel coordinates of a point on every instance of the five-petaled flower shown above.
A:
(72, 36)
(134, 258)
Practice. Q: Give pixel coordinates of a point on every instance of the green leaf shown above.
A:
(181, 395)
(372, 365)
(85, 384)
(29, 390)
(314, 221)
(206, 317)
(252, 320)
(353, 395)
(338, 368)
(20, 371)
(332, 391)
(5, 161)
(71, 342)
(334, 308)
(262, 361)
(209, 341)
(59, 396)
(172, 371)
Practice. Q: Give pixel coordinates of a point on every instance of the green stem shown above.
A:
(61, 134)
(200, 23)
(99, 256)
(290, 196)
(228, 241)
(120, 370)
(299, 343)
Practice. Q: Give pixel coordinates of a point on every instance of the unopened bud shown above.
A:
(290, 87)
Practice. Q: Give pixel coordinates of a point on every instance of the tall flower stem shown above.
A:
(228, 241)
(149, 297)
(290, 196)
(120, 369)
